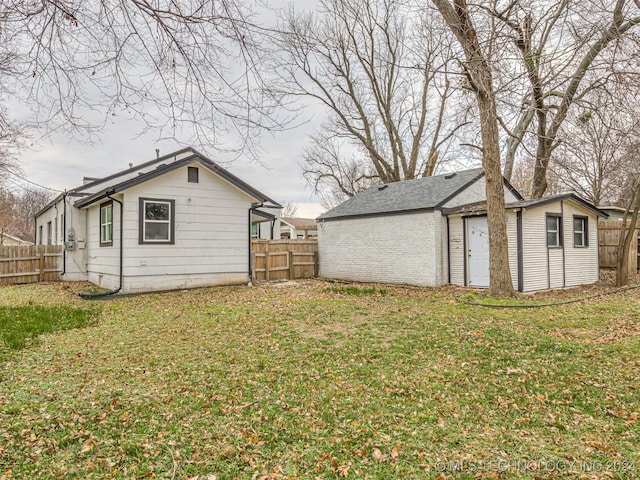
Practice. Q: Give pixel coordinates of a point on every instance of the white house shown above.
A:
(298, 228)
(433, 231)
(177, 221)
(7, 239)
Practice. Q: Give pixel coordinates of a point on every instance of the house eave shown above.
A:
(378, 214)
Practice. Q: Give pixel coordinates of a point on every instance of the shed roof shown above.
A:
(481, 207)
(427, 193)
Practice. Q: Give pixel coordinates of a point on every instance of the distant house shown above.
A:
(615, 213)
(298, 228)
(177, 221)
(433, 231)
(7, 239)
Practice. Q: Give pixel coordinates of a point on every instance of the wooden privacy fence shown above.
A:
(30, 263)
(284, 259)
(609, 233)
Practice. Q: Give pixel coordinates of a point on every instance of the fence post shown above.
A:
(266, 263)
(291, 272)
(41, 264)
(316, 263)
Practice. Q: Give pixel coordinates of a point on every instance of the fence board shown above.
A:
(30, 263)
(284, 259)
(609, 236)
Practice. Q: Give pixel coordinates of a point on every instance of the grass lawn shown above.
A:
(318, 380)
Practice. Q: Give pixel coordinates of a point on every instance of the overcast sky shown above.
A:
(60, 163)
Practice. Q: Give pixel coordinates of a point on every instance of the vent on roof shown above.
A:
(450, 176)
(383, 187)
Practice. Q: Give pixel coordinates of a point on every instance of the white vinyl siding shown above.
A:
(582, 265)
(476, 192)
(456, 249)
(211, 244)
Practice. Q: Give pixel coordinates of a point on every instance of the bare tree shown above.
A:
(381, 73)
(18, 208)
(289, 209)
(628, 230)
(593, 158)
(189, 68)
(480, 78)
(558, 44)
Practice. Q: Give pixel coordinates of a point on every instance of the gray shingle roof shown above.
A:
(411, 195)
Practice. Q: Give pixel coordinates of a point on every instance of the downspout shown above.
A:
(564, 263)
(251, 209)
(90, 296)
(64, 232)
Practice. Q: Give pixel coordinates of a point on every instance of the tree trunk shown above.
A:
(626, 236)
(500, 282)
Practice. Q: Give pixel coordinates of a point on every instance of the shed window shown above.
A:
(554, 230)
(580, 231)
(106, 224)
(157, 221)
(192, 174)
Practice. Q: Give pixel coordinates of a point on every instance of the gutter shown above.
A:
(90, 296)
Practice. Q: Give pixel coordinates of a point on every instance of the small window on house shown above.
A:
(192, 174)
(48, 233)
(40, 235)
(106, 224)
(157, 221)
(56, 229)
(254, 230)
(580, 231)
(554, 230)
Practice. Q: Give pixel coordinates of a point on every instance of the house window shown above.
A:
(106, 224)
(192, 174)
(48, 233)
(157, 221)
(254, 230)
(40, 235)
(580, 231)
(554, 230)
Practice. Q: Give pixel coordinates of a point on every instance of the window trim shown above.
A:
(585, 232)
(557, 216)
(107, 243)
(141, 221)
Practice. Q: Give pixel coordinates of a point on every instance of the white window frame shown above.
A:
(143, 222)
(584, 232)
(557, 231)
(106, 226)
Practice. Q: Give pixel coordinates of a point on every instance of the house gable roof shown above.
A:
(165, 168)
(421, 194)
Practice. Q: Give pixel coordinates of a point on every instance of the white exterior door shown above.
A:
(478, 252)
